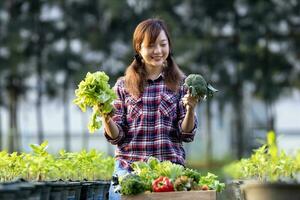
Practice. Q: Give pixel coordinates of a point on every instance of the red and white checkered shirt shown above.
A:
(150, 125)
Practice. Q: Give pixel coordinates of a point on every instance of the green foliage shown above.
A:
(11, 166)
(39, 165)
(265, 164)
(94, 91)
(92, 165)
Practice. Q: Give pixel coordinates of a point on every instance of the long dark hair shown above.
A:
(135, 76)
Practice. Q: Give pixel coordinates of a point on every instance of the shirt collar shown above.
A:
(159, 77)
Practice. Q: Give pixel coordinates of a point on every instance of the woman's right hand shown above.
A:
(110, 126)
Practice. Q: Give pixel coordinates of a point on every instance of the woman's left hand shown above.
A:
(189, 101)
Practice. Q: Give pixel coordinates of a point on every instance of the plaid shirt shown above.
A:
(150, 125)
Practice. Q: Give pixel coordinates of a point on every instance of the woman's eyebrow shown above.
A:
(164, 40)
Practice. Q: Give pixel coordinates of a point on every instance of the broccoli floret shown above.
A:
(198, 86)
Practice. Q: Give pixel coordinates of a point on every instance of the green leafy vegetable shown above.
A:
(131, 184)
(169, 169)
(193, 174)
(94, 91)
(198, 86)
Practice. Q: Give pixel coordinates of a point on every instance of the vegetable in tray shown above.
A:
(165, 176)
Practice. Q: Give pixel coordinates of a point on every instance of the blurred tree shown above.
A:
(13, 61)
(35, 50)
(3, 51)
(1, 106)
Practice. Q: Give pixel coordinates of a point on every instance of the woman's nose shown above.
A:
(157, 49)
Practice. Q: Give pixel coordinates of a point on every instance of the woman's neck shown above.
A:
(153, 72)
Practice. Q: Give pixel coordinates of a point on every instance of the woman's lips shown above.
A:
(157, 58)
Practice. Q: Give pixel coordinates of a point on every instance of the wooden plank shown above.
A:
(189, 195)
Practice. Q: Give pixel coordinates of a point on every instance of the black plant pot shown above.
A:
(74, 190)
(58, 190)
(44, 190)
(86, 191)
(22, 190)
(100, 190)
(29, 191)
(8, 191)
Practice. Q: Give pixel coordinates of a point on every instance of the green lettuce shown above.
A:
(95, 92)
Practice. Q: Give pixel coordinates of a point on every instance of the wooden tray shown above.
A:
(189, 195)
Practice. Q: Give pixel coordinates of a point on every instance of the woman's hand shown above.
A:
(110, 126)
(189, 101)
(105, 116)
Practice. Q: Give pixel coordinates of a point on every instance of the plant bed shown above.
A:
(270, 191)
(269, 174)
(182, 195)
(41, 175)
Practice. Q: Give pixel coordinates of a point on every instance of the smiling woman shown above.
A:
(150, 118)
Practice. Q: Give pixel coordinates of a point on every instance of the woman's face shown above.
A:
(154, 54)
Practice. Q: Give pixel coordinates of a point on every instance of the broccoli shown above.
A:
(198, 87)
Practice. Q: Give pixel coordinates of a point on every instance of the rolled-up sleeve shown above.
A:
(188, 137)
(184, 136)
(119, 115)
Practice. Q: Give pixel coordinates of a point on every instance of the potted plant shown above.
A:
(98, 171)
(268, 174)
(12, 169)
(68, 175)
(92, 169)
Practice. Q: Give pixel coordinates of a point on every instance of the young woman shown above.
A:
(154, 113)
